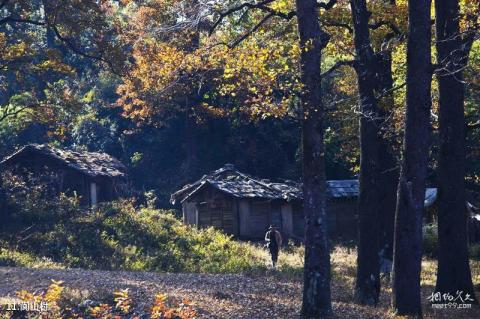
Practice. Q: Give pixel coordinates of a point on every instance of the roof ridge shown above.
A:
(261, 183)
(89, 163)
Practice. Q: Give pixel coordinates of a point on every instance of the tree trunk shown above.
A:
(411, 187)
(316, 289)
(388, 163)
(3, 200)
(453, 264)
(190, 165)
(378, 166)
(367, 286)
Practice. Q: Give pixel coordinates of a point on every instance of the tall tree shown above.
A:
(411, 188)
(378, 174)
(316, 283)
(452, 56)
(367, 287)
(388, 158)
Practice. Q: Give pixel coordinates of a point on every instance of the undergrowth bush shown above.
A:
(474, 251)
(430, 240)
(14, 258)
(42, 229)
(118, 235)
(430, 243)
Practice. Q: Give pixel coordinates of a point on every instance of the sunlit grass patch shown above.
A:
(15, 258)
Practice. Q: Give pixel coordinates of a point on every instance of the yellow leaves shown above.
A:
(123, 306)
(48, 299)
(167, 68)
(284, 6)
(16, 51)
(308, 46)
(27, 296)
(251, 73)
(470, 14)
(228, 72)
(122, 300)
(53, 65)
(24, 57)
(54, 292)
(261, 76)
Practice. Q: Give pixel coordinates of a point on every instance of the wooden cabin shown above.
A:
(95, 177)
(244, 206)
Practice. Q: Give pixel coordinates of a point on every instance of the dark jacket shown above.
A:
(273, 236)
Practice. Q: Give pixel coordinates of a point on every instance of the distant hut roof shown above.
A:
(92, 164)
(342, 188)
(430, 196)
(230, 181)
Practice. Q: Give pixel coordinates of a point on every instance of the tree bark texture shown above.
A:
(406, 298)
(367, 286)
(453, 262)
(389, 166)
(316, 290)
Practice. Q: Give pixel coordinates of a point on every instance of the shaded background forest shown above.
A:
(164, 159)
(69, 82)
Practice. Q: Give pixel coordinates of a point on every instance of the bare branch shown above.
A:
(263, 6)
(391, 25)
(7, 114)
(467, 43)
(230, 11)
(472, 126)
(327, 5)
(338, 24)
(249, 32)
(338, 65)
(70, 45)
(19, 20)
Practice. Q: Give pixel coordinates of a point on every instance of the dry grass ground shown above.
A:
(251, 295)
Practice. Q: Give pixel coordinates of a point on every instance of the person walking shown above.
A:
(274, 242)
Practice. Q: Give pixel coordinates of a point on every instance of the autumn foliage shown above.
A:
(121, 305)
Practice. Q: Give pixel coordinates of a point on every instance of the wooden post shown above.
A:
(93, 194)
(287, 219)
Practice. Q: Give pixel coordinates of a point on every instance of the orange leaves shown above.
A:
(177, 68)
(47, 301)
(102, 311)
(155, 76)
(161, 311)
(122, 307)
(122, 301)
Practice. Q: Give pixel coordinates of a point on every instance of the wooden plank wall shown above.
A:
(259, 218)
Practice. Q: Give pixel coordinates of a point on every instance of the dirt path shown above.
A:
(214, 296)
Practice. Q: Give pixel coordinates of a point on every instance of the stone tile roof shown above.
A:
(230, 181)
(342, 188)
(92, 164)
(430, 196)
